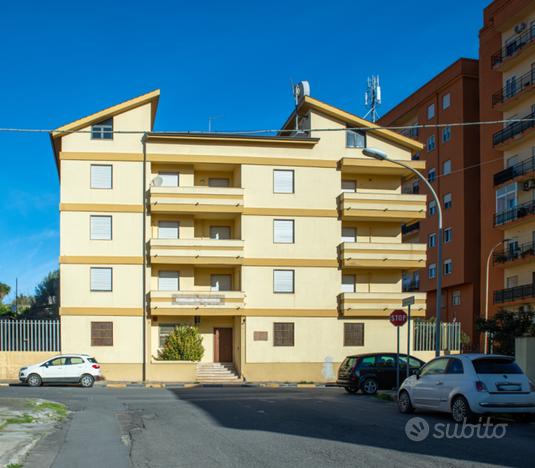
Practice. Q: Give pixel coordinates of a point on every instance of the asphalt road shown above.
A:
(252, 427)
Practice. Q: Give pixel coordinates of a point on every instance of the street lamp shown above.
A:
(382, 156)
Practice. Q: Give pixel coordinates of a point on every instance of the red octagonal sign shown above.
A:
(398, 318)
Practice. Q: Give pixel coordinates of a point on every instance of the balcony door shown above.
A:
(219, 232)
(221, 282)
(222, 344)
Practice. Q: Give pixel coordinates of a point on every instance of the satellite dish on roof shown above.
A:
(157, 181)
(301, 90)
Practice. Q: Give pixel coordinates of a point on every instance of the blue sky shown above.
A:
(61, 61)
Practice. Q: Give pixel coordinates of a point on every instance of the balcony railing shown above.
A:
(514, 129)
(412, 285)
(515, 87)
(518, 212)
(514, 253)
(514, 294)
(414, 189)
(408, 228)
(513, 47)
(520, 169)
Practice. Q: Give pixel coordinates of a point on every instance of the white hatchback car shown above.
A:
(467, 385)
(68, 368)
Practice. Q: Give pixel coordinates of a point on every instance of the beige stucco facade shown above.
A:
(222, 255)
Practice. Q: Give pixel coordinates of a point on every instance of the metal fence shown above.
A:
(424, 336)
(30, 335)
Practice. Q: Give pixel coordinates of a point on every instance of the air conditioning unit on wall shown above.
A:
(529, 185)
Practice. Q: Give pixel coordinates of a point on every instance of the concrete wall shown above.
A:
(525, 355)
(12, 361)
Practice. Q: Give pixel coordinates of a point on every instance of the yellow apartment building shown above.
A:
(286, 250)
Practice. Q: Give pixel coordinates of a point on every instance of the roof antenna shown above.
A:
(372, 97)
(300, 90)
(211, 118)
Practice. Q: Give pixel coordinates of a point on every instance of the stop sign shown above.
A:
(398, 318)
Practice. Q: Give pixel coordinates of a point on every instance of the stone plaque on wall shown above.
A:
(260, 336)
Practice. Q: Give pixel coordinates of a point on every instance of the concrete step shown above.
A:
(217, 372)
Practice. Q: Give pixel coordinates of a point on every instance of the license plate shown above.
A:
(508, 387)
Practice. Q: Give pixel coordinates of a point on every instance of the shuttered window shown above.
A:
(283, 181)
(101, 176)
(101, 333)
(165, 329)
(283, 334)
(348, 283)
(283, 231)
(349, 234)
(101, 279)
(169, 179)
(100, 228)
(168, 281)
(283, 281)
(168, 230)
(353, 334)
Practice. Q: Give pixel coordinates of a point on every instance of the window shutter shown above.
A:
(283, 231)
(353, 334)
(101, 176)
(168, 230)
(283, 181)
(349, 234)
(283, 281)
(101, 227)
(101, 333)
(101, 279)
(348, 283)
(283, 334)
(169, 179)
(168, 281)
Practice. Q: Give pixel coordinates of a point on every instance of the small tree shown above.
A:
(184, 344)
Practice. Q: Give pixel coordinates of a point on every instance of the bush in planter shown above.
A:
(184, 344)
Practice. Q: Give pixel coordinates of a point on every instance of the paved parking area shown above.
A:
(148, 427)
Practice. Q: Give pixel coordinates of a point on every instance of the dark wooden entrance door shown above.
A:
(222, 344)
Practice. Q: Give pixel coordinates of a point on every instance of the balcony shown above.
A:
(517, 293)
(514, 253)
(410, 286)
(196, 199)
(381, 255)
(514, 131)
(510, 93)
(523, 168)
(518, 213)
(377, 304)
(506, 55)
(374, 166)
(380, 206)
(196, 251)
(196, 302)
(410, 228)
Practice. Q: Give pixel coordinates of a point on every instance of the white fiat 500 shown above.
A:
(71, 368)
(468, 385)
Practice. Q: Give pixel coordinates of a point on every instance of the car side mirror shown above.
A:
(45, 364)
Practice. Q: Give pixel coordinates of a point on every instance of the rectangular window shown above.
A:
(448, 267)
(168, 230)
(101, 176)
(283, 231)
(101, 279)
(448, 203)
(283, 181)
(102, 130)
(283, 281)
(221, 282)
(432, 271)
(430, 111)
(511, 282)
(456, 298)
(164, 330)
(220, 232)
(101, 333)
(100, 228)
(506, 197)
(168, 281)
(169, 179)
(355, 139)
(431, 175)
(348, 283)
(432, 240)
(448, 235)
(283, 334)
(349, 186)
(349, 234)
(432, 207)
(446, 167)
(353, 334)
(446, 101)
(431, 144)
(446, 134)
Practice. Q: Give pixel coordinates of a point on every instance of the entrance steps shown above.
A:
(217, 372)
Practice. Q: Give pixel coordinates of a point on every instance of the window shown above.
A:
(432, 207)
(432, 240)
(506, 197)
(431, 144)
(75, 361)
(100, 228)
(283, 281)
(446, 134)
(101, 333)
(431, 175)
(57, 362)
(386, 360)
(430, 111)
(432, 271)
(168, 281)
(101, 279)
(413, 363)
(220, 232)
(447, 201)
(221, 282)
(448, 267)
(164, 330)
(456, 298)
(446, 167)
(283, 231)
(168, 230)
(511, 281)
(102, 130)
(436, 366)
(348, 283)
(349, 234)
(455, 366)
(446, 101)
(448, 235)
(218, 182)
(510, 87)
(283, 334)
(496, 366)
(355, 139)
(169, 179)
(101, 176)
(283, 181)
(353, 334)
(349, 186)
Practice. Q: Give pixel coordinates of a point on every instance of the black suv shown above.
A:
(371, 372)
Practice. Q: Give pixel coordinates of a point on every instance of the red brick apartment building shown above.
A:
(452, 156)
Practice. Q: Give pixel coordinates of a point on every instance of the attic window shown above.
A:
(355, 139)
(102, 130)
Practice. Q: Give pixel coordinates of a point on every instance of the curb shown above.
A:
(162, 385)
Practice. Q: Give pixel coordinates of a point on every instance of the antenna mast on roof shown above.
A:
(372, 97)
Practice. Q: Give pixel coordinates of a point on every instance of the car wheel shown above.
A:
(34, 380)
(369, 387)
(460, 410)
(351, 389)
(87, 381)
(404, 403)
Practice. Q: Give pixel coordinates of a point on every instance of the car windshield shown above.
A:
(92, 359)
(496, 366)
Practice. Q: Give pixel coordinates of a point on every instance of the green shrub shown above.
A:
(184, 344)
